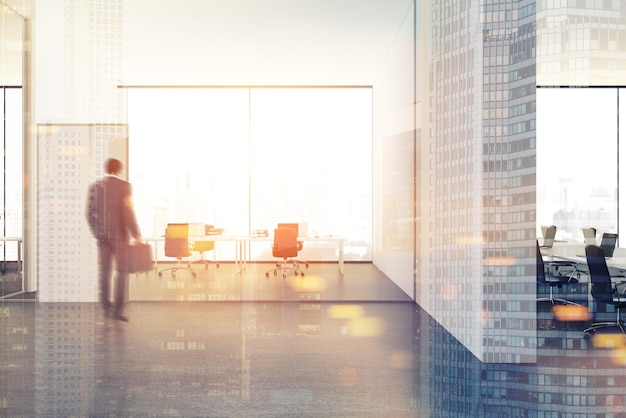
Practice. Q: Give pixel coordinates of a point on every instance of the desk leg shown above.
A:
(155, 263)
(241, 255)
(341, 257)
(20, 262)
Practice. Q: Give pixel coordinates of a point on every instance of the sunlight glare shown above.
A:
(366, 327)
(609, 340)
(345, 311)
(571, 313)
(400, 359)
(307, 284)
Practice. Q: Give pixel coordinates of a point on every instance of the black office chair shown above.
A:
(603, 290)
(548, 237)
(285, 245)
(608, 243)
(556, 274)
(589, 235)
(177, 245)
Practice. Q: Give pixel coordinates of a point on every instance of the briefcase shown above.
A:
(136, 258)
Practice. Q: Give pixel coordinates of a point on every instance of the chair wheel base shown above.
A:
(284, 271)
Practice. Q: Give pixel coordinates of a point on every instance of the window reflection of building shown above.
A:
(482, 175)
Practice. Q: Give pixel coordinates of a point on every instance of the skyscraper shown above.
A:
(480, 218)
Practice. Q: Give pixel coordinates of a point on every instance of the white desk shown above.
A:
(241, 247)
(242, 244)
(19, 242)
(336, 240)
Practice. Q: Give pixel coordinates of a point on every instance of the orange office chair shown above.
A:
(294, 262)
(285, 246)
(177, 245)
(297, 263)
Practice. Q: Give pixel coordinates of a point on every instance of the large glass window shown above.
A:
(577, 160)
(248, 158)
(11, 191)
(11, 165)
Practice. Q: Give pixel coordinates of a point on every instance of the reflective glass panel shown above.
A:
(577, 160)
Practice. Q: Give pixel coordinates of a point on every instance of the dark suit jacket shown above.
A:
(110, 211)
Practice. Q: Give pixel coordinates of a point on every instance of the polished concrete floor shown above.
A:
(310, 354)
(360, 282)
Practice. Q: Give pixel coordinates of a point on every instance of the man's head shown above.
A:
(113, 166)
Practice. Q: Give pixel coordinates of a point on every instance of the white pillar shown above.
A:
(29, 135)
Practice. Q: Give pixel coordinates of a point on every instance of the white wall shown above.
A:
(10, 49)
(394, 161)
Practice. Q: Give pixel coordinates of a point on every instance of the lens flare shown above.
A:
(366, 327)
(571, 313)
(345, 311)
(609, 341)
(618, 355)
(400, 359)
(307, 284)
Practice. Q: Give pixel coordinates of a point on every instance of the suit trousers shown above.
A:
(108, 250)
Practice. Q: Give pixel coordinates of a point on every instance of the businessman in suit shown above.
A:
(112, 222)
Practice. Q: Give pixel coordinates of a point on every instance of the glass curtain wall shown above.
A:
(11, 32)
(11, 165)
(577, 159)
(188, 159)
(244, 159)
(311, 163)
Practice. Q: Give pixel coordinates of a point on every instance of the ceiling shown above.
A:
(259, 42)
(242, 42)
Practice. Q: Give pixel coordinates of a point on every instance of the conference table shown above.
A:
(575, 252)
(242, 246)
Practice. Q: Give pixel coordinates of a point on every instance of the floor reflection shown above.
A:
(321, 281)
(291, 358)
(198, 359)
